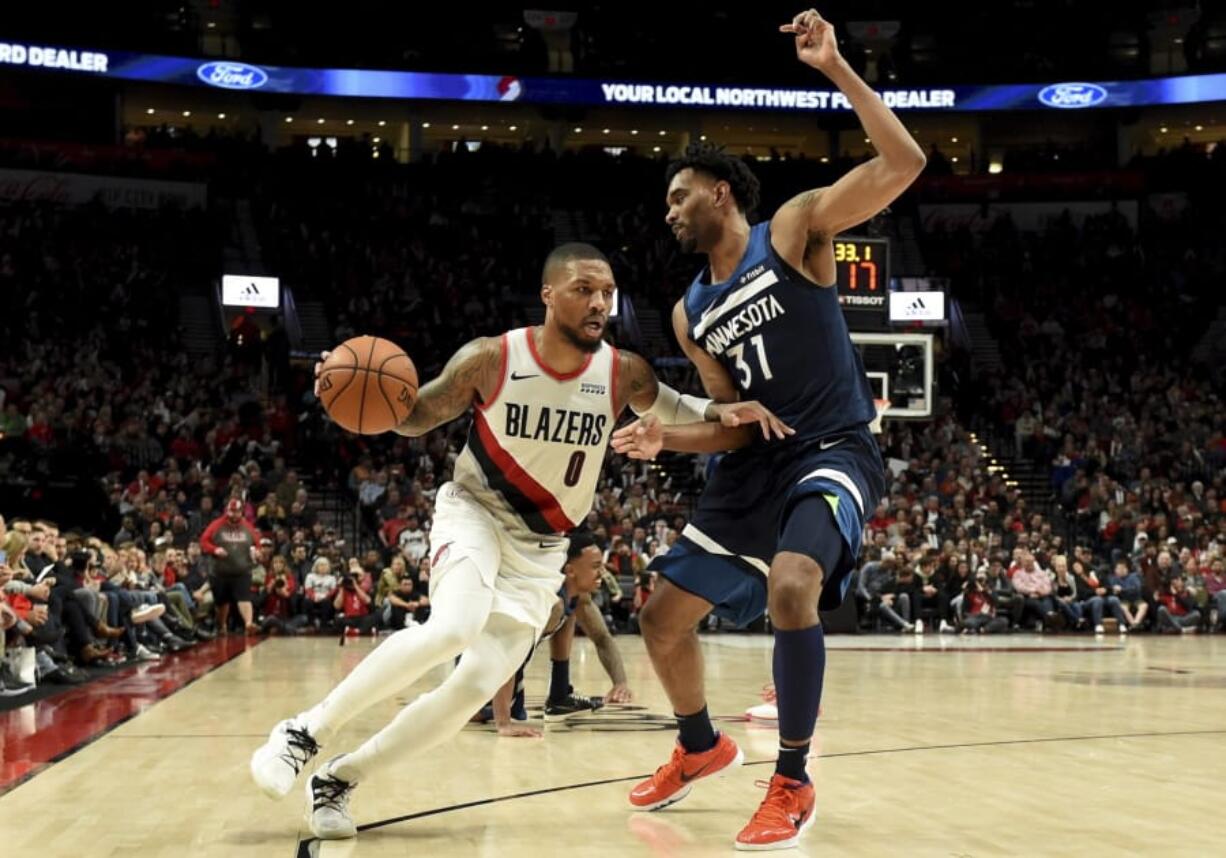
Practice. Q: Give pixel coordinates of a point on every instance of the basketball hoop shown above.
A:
(882, 405)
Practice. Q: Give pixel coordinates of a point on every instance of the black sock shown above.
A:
(559, 681)
(697, 734)
(791, 762)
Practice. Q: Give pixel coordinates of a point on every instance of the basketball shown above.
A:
(368, 385)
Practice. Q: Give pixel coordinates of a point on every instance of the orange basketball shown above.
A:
(368, 385)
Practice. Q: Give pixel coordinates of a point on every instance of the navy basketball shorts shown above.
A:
(760, 501)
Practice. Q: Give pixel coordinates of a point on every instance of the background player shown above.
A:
(544, 402)
(583, 570)
(763, 321)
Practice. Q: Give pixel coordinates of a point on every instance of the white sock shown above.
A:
(438, 715)
(459, 607)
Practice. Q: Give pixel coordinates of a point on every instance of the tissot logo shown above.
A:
(229, 75)
(1072, 95)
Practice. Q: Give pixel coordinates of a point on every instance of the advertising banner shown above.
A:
(240, 76)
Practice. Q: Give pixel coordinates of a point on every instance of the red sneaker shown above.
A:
(782, 816)
(674, 780)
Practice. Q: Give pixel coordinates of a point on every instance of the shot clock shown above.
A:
(862, 268)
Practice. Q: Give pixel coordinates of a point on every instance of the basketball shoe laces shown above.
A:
(331, 792)
(299, 742)
(777, 809)
(673, 769)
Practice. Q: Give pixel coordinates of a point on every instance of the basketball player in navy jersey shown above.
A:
(763, 322)
(544, 401)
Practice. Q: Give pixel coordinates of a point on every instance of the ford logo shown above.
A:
(230, 75)
(1072, 95)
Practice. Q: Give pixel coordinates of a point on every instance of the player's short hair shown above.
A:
(710, 158)
(580, 540)
(572, 251)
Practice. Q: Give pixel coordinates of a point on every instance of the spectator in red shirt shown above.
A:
(231, 540)
(282, 606)
(1215, 586)
(979, 609)
(389, 533)
(352, 603)
(1177, 611)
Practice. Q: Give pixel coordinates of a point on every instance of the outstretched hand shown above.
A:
(816, 44)
(642, 439)
(619, 694)
(733, 414)
(319, 364)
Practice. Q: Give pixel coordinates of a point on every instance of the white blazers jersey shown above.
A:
(535, 449)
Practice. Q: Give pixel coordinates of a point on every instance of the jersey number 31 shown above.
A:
(737, 353)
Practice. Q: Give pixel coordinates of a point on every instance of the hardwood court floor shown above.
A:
(938, 746)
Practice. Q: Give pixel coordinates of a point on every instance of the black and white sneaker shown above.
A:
(277, 763)
(570, 705)
(328, 805)
(11, 684)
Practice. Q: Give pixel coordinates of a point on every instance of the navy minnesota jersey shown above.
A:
(783, 340)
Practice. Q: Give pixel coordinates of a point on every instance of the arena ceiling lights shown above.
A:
(245, 77)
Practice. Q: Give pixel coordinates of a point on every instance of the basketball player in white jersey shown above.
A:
(544, 401)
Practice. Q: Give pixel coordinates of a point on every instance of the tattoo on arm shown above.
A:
(588, 618)
(641, 385)
(475, 366)
(805, 200)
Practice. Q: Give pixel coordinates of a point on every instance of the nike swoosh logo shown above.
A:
(826, 445)
(685, 779)
(548, 545)
(518, 377)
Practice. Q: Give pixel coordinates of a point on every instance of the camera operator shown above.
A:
(352, 603)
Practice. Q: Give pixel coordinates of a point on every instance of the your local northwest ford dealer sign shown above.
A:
(411, 85)
(739, 96)
(53, 58)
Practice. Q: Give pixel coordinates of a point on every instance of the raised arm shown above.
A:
(803, 227)
(473, 374)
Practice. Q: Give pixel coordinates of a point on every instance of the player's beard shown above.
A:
(688, 244)
(579, 341)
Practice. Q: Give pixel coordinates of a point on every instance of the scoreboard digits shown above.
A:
(862, 268)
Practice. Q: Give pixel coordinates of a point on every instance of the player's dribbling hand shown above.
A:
(619, 694)
(319, 364)
(642, 439)
(734, 414)
(816, 44)
(519, 731)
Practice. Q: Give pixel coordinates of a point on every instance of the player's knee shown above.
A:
(649, 622)
(795, 585)
(473, 689)
(655, 626)
(450, 639)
